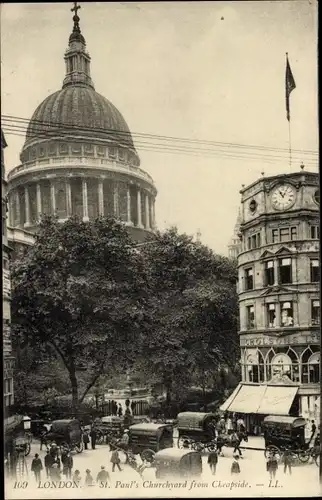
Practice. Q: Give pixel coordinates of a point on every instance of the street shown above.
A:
(253, 481)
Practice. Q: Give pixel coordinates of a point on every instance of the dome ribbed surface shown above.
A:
(78, 111)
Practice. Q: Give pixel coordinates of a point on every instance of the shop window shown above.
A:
(269, 273)
(282, 364)
(315, 232)
(310, 364)
(271, 315)
(315, 270)
(285, 271)
(254, 366)
(249, 279)
(250, 315)
(287, 318)
(315, 312)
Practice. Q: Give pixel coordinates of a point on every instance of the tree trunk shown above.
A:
(74, 384)
(168, 388)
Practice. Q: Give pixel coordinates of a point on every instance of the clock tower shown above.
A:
(279, 298)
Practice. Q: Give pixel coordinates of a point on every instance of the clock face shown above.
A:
(283, 197)
(317, 197)
(253, 206)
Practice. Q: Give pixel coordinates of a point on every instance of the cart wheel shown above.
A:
(100, 439)
(304, 456)
(27, 449)
(273, 449)
(182, 439)
(79, 447)
(148, 455)
(317, 458)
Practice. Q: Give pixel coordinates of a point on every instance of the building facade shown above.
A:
(8, 360)
(279, 293)
(79, 158)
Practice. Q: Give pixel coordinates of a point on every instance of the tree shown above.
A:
(194, 311)
(81, 290)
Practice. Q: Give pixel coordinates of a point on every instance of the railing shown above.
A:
(82, 162)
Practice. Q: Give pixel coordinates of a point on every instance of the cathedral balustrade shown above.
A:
(93, 163)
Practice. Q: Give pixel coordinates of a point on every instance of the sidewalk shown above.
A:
(254, 443)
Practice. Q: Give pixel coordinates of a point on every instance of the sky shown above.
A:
(208, 71)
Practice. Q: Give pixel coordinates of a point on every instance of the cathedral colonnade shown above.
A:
(86, 197)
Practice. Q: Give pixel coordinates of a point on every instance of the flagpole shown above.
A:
(290, 143)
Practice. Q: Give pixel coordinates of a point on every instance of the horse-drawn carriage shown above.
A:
(177, 463)
(283, 433)
(66, 434)
(145, 439)
(196, 428)
(107, 427)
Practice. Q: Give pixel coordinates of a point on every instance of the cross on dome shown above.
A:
(76, 17)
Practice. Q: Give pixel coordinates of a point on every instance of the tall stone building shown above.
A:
(279, 299)
(79, 157)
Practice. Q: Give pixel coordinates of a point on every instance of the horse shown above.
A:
(230, 441)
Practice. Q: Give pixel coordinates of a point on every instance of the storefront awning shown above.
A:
(262, 399)
(230, 399)
(277, 400)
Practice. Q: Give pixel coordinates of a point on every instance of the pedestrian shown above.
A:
(48, 463)
(93, 437)
(220, 443)
(86, 439)
(240, 424)
(68, 465)
(235, 441)
(114, 408)
(103, 476)
(115, 460)
(133, 405)
(287, 461)
(55, 472)
(36, 467)
(77, 477)
(63, 456)
(229, 426)
(313, 431)
(120, 410)
(272, 465)
(56, 462)
(124, 441)
(235, 468)
(53, 449)
(89, 481)
(213, 460)
(222, 425)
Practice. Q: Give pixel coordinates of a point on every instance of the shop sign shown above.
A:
(266, 340)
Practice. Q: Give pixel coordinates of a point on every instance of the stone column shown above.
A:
(52, 197)
(153, 213)
(147, 212)
(128, 205)
(17, 222)
(139, 208)
(100, 197)
(275, 272)
(39, 209)
(68, 198)
(277, 314)
(27, 206)
(85, 201)
(116, 199)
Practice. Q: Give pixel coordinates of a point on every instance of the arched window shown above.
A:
(268, 360)
(305, 365)
(281, 364)
(295, 370)
(314, 368)
(254, 366)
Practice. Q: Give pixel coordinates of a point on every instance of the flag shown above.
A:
(289, 86)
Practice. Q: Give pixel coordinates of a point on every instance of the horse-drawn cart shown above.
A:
(195, 427)
(66, 434)
(285, 433)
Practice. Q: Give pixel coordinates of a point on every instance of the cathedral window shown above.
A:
(315, 270)
(121, 154)
(100, 151)
(287, 318)
(63, 148)
(285, 271)
(315, 312)
(112, 152)
(89, 150)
